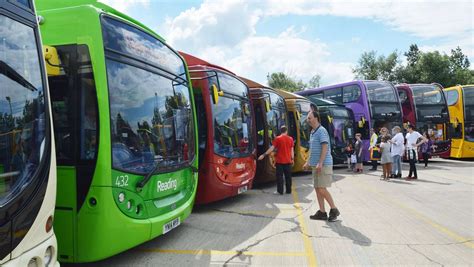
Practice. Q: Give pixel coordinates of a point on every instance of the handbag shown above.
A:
(353, 158)
(375, 153)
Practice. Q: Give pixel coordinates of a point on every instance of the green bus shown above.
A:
(125, 130)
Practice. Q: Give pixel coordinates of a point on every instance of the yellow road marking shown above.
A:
(427, 220)
(220, 252)
(308, 244)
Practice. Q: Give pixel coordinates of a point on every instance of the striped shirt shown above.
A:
(319, 137)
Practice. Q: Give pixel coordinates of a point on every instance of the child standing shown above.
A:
(386, 158)
(426, 148)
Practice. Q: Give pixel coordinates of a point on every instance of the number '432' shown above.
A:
(121, 180)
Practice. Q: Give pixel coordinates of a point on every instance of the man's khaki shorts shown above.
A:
(323, 178)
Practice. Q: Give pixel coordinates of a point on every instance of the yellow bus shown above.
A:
(460, 100)
(298, 108)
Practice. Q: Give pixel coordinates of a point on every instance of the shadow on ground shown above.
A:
(349, 233)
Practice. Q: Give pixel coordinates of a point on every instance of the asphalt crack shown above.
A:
(249, 214)
(428, 258)
(240, 252)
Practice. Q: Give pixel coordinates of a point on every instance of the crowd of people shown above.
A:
(389, 149)
(386, 147)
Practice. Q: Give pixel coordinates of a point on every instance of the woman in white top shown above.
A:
(397, 151)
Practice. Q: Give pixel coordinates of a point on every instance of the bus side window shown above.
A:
(89, 119)
(334, 95)
(350, 93)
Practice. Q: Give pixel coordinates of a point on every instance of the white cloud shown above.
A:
(466, 44)
(214, 23)
(224, 33)
(287, 53)
(425, 19)
(124, 5)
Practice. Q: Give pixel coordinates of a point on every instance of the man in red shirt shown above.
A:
(284, 147)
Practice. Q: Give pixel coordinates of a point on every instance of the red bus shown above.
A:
(227, 155)
(270, 114)
(424, 106)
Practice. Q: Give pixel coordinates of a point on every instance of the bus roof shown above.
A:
(252, 84)
(193, 61)
(317, 89)
(409, 85)
(44, 5)
(289, 95)
(459, 86)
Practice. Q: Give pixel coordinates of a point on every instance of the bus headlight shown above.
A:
(33, 263)
(48, 256)
(121, 197)
(129, 204)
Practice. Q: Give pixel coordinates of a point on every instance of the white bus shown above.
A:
(27, 157)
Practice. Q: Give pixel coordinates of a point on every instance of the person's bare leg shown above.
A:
(320, 196)
(325, 193)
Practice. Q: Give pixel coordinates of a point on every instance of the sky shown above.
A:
(303, 38)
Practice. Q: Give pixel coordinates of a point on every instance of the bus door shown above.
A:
(200, 84)
(304, 130)
(261, 103)
(75, 117)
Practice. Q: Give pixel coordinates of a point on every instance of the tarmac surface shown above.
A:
(428, 221)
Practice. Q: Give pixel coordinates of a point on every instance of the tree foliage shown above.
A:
(373, 67)
(280, 80)
(420, 67)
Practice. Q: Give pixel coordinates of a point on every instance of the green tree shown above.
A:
(413, 55)
(371, 67)
(421, 67)
(314, 82)
(280, 80)
(458, 59)
(367, 66)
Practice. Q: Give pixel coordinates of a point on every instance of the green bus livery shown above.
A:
(125, 130)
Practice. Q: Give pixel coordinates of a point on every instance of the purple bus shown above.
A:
(375, 104)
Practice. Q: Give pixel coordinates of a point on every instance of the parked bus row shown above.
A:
(377, 104)
(140, 132)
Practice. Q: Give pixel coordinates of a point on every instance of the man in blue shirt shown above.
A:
(320, 160)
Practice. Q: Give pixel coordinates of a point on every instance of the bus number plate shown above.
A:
(242, 189)
(171, 225)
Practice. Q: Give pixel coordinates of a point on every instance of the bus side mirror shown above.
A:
(267, 106)
(51, 59)
(361, 122)
(215, 93)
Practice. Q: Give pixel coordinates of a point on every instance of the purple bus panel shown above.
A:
(374, 104)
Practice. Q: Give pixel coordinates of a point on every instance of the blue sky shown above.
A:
(303, 37)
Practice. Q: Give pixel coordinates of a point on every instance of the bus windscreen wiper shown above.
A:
(8, 71)
(147, 177)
